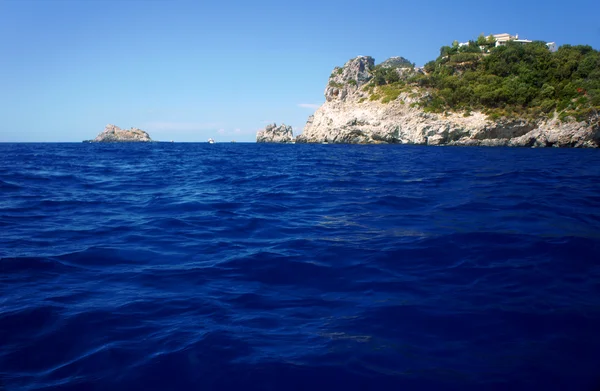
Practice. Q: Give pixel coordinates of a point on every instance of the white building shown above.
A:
(502, 39)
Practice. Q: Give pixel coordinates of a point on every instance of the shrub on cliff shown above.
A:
(519, 79)
(384, 75)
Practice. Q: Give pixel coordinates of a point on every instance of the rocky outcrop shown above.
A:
(275, 134)
(346, 81)
(114, 134)
(396, 62)
(353, 114)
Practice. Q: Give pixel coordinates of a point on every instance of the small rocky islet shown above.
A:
(114, 134)
(397, 103)
(275, 134)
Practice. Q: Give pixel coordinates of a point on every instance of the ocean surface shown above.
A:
(174, 266)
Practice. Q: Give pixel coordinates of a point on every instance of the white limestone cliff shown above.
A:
(350, 116)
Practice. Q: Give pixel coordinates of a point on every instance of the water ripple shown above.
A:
(269, 267)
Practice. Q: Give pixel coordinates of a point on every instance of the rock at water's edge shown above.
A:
(275, 134)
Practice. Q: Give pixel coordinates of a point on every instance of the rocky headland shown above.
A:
(275, 134)
(359, 111)
(114, 134)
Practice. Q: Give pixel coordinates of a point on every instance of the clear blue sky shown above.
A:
(190, 70)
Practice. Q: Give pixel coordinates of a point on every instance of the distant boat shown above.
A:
(211, 141)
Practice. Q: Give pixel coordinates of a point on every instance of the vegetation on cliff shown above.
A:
(513, 80)
(520, 79)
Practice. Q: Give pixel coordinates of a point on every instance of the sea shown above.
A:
(242, 266)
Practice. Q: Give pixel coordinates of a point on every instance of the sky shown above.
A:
(192, 70)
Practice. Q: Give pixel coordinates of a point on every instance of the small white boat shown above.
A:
(211, 141)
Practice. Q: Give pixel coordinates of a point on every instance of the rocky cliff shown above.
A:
(357, 112)
(275, 134)
(113, 134)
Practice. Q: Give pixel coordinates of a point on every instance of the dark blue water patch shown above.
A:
(268, 267)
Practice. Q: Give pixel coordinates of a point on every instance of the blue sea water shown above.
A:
(170, 266)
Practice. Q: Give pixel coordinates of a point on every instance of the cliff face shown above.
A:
(349, 115)
(275, 134)
(113, 133)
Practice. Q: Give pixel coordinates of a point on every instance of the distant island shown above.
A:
(494, 91)
(114, 134)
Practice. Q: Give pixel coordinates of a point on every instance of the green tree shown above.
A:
(481, 40)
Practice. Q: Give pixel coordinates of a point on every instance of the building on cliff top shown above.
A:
(502, 39)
